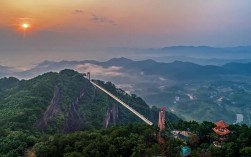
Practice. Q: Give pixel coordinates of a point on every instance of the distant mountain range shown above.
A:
(176, 70)
(203, 89)
(200, 61)
(203, 55)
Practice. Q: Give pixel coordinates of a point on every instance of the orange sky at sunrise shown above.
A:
(132, 17)
(41, 14)
(84, 26)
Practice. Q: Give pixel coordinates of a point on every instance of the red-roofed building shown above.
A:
(221, 128)
(221, 124)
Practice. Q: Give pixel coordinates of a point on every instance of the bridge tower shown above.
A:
(161, 122)
(88, 75)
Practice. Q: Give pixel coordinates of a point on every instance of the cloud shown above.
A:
(97, 70)
(128, 88)
(22, 68)
(78, 11)
(101, 19)
(162, 87)
(162, 79)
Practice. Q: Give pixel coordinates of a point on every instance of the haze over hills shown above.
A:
(192, 91)
(118, 67)
(123, 64)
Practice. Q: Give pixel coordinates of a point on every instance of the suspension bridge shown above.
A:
(120, 101)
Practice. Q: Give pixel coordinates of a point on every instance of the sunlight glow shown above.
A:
(25, 25)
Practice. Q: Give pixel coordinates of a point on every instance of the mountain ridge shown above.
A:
(176, 84)
(125, 63)
(66, 102)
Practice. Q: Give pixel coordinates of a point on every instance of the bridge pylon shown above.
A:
(89, 76)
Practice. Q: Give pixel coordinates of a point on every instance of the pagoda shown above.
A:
(221, 128)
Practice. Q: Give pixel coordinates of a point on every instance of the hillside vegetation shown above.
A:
(60, 103)
(63, 115)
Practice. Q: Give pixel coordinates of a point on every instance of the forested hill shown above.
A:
(37, 115)
(65, 102)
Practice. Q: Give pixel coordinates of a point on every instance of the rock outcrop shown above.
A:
(51, 111)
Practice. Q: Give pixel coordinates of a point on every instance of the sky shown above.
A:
(88, 29)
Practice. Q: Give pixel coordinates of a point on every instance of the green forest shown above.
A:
(63, 115)
(135, 139)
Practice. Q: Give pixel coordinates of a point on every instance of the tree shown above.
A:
(231, 149)
(245, 152)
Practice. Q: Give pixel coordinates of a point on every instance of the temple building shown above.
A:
(221, 128)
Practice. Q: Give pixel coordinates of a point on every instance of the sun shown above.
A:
(25, 25)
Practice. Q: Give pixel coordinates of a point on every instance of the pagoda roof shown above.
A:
(221, 124)
(221, 131)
